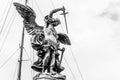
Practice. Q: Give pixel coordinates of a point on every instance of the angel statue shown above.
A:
(45, 39)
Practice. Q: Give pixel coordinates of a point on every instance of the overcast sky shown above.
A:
(94, 30)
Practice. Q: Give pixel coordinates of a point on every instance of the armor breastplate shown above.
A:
(51, 36)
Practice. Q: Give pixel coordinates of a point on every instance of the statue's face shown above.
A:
(47, 19)
(53, 21)
(56, 22)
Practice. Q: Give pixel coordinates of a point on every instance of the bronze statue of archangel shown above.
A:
(45, 39)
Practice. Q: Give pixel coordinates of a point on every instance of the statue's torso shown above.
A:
(51, 35)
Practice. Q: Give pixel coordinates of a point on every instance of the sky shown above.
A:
(93, 30)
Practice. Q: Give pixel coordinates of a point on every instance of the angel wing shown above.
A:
(26, 12)
(29, 16)
(64, 39)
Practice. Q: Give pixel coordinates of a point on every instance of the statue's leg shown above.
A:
(59, 68)
(52, 65)
(37, 65)
(46, 60)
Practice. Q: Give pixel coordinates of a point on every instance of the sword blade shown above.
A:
(64, 13)
(66, 23)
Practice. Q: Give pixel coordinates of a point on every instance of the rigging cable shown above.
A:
(64, 57)
(8, 23)
(27, 54)
(26, 1)
(72, 53)
(69, 68)
(8, 59)
(10, 20)
(76, 64)
(32, 3)
(29, 59)
(15, 71)
(32, 53)
(8, 31)
(33, 59)
(3, 14)
(31, 49)
(39, 9)
(6, 17)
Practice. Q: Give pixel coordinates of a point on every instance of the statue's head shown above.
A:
(48, 19)
(56, 22)
(53, 21)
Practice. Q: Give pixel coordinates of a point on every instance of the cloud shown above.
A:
(112, 12)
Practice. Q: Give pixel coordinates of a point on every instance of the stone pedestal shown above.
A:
(48, 76)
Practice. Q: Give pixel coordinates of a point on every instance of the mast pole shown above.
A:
(26, 1)
(21, 54)
(21, 50)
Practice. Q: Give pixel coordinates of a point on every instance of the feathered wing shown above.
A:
(29, 16)
(26, 12)
(64, 39)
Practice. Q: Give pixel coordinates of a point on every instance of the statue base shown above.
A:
(48, 76)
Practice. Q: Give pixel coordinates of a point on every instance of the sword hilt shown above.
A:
(64, 13)
(63, 49)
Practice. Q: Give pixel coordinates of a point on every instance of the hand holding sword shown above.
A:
(64, 14)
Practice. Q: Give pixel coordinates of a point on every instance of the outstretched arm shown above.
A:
(55, 10)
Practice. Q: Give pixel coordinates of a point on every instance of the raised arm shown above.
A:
(55, 10)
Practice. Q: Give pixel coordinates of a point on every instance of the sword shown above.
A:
(63, 49)
(64, 14)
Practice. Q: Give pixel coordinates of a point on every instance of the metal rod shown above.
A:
(26, 1)
(21, 51)
(21, 54)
